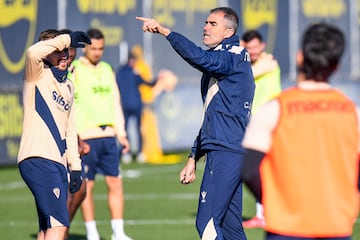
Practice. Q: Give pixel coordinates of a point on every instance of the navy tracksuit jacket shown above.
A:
(227, 91)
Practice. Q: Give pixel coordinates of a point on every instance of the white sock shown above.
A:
(117, 226)
(259, 210)
(91, 229)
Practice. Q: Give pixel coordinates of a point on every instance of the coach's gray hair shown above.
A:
(230, 15)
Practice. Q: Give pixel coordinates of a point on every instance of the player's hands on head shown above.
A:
(78, 39)
(75, 181)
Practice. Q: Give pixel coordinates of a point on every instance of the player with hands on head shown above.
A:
(48, 144)
(227, 90)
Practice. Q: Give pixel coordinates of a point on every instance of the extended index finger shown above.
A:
(144, 19)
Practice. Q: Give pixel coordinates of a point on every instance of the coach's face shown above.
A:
(216, 29)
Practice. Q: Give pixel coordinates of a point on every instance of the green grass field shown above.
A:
(157, 207)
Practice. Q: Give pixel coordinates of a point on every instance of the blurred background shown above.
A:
(178, 113)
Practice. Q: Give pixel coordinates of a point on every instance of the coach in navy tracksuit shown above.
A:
(227, 89)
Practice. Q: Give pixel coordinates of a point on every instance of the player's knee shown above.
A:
(82, 194)
(83, 189)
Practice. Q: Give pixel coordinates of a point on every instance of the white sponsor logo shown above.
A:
(203, 196)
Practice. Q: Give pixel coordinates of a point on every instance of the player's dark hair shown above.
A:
(131, 56)
(48, 34)
(65, 31)
(323, 46)
(251, 35)
(95, 33)
(230, 14)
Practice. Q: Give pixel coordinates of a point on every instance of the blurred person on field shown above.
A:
(302, 149)
(129, 82)
(266, 72)
(265, 68)
(152, 149)
(49, 144)
(101, 124)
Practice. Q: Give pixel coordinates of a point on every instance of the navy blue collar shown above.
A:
(227, 42)
(234, 40)
(60, 75)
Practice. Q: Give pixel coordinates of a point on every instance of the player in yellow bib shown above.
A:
(100, 122)
(266, 72)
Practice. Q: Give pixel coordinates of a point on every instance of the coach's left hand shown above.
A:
(187, 174)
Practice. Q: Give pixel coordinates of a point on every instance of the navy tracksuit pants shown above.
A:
(220, 202)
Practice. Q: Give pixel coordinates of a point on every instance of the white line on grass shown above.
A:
(146, 222)
(129, 173)
(103, 197)
(133, 222)
(12, 185)
(106, 222)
